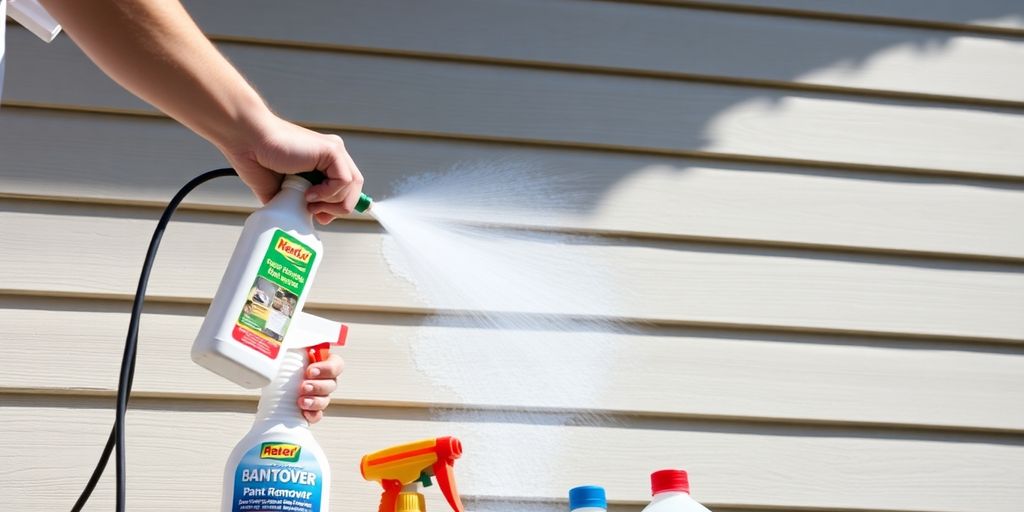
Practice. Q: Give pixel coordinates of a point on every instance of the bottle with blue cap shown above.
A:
(587, 498)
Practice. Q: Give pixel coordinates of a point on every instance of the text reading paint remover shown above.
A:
(277, 476)
(279, 466)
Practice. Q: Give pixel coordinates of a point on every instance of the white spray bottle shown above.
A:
(279, 465)
(264, 287)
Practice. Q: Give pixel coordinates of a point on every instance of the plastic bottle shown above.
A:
(587, 498)
(671, 491)
(279, 459)
(264, 287)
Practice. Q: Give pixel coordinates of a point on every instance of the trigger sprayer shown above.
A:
(402, 469)
(279, 465)
(264, 287)
(279, 252)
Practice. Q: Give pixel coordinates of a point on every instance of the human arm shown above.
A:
(153, 49)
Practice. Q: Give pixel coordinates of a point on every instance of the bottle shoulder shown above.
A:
(279, 433)
(674, 502)
(296, 224)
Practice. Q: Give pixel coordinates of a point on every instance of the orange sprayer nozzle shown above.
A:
(402, 465)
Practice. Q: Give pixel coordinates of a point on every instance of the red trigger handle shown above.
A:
(389, 500)
(319, 353)
(448, 449)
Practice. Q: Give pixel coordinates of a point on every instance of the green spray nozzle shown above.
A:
(318, 177)
(364, 203)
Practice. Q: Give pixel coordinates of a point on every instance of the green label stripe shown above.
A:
(275, 293)
(287, 262)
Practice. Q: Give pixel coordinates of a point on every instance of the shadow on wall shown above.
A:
(726, 118)
(636, 112)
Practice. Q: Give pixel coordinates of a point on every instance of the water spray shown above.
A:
(257, 335)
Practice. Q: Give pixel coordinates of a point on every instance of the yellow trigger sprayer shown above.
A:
(402, 469)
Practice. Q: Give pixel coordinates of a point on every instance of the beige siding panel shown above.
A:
(616, 192)
(732, 464)
(710, 373)
(648, 38)
(1000, 14)
(86, 248)
(469, 100)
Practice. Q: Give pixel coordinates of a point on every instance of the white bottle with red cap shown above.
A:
(671, 491)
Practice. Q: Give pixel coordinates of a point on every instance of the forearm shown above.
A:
(155, 50)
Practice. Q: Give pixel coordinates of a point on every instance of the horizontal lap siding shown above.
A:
(732, 464)
(714, 374)
(644, 39)
(660, 281)
(650, 196)
(1005, 16)
(493, 102)
(830, 250)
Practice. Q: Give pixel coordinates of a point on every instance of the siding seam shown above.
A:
(569, 144)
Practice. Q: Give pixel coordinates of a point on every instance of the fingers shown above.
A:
(321, 382)
(264, 183)
(330, 369)
(339, 194)
(324, 218)
(326, 212)
(322, 387)
(286, 148)
(313, 403)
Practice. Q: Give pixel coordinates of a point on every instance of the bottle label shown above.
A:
(274, 294)
(278, 477)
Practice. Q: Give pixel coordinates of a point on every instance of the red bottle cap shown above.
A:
(669, 480)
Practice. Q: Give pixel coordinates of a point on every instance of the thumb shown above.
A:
(264, 183)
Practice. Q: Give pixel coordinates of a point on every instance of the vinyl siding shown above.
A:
(823, 203)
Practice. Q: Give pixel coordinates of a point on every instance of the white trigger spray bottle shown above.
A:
(256, 335)
(264, 287)
(279, 465)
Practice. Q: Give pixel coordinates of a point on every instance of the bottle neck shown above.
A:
(292, 197)
(279, 400)
(664, 495)
(293, 182)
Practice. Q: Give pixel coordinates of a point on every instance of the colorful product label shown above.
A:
(274, 295)
(277, 477)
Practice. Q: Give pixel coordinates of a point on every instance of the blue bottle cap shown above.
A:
(587, 496)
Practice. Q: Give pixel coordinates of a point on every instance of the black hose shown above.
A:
(127, 373)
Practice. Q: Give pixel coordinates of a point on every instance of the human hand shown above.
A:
(272, 147)
(321, 381)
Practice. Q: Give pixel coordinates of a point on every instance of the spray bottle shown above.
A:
(279, 465)
(402, 469)
(264, 287)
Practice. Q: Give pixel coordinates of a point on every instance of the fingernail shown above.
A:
(307, 402)
(308, 388)
(314, 372)
(311, 196)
